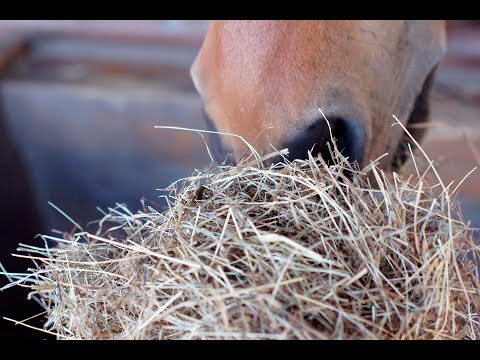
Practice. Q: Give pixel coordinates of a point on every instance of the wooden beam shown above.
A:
(11, 48)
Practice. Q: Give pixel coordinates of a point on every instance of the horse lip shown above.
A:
(221, 154)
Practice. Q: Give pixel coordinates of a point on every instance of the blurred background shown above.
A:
(79, 100)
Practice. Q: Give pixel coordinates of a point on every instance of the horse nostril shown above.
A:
(349, 135)
(352, 140)
(314, 138)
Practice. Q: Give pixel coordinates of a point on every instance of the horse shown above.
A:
(298, 83)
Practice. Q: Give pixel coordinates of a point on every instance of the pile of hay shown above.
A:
(295, 251)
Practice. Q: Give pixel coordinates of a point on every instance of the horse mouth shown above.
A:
(417, 120)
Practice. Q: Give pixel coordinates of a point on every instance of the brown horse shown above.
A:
(266, 80)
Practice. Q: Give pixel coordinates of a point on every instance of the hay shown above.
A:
(294, 251)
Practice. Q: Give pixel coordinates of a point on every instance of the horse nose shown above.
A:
(349, 136)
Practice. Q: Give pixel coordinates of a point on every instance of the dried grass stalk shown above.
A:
(294, 251)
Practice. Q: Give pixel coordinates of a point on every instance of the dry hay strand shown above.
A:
(292, 251)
